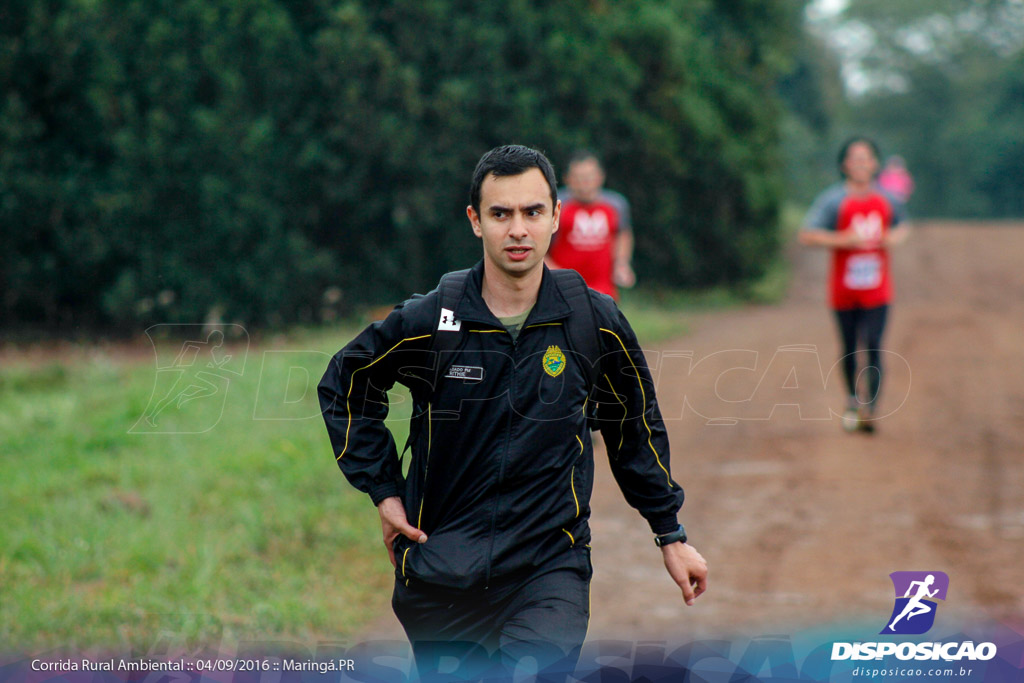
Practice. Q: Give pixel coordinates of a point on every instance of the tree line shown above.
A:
(941, 84)
(274, 162)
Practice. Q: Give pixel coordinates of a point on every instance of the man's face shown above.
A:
(516, 221)
(585, 179)
(860, 164)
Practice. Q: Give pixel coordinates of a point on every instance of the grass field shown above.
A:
(225, 520)
(246, 530)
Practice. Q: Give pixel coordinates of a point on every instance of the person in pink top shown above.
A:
(896, 179)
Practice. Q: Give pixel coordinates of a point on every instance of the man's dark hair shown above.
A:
(510, 160)
(583, 155)
(850, 142)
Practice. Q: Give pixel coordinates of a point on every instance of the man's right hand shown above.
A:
(394, 522)
(687, 568)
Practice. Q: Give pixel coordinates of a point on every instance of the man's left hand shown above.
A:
(687, 568)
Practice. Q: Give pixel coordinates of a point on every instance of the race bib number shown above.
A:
(863, 271)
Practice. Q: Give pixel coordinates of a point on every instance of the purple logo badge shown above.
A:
(916, 593)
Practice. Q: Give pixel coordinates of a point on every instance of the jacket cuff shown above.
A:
(663, 525)
(387, 490)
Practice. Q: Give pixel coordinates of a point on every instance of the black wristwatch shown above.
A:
(677, 536)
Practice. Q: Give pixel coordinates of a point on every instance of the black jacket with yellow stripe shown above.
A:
(501, 467)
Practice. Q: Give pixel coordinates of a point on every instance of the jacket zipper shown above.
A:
(501, 466)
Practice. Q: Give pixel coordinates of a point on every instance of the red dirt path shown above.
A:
(802, 523)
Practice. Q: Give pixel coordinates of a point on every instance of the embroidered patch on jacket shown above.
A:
(554, 361)
(470, 373)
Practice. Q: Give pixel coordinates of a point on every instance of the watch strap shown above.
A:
(677, 536)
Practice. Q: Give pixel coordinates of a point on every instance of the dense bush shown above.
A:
(162, 161)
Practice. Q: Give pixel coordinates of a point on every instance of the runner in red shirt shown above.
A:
(594, 235)
(858, 222)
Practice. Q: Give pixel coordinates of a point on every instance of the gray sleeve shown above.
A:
(824, 212)
(899, 210)
(621, 205)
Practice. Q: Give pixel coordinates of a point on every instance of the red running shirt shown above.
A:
(860, 278)
(585, 242)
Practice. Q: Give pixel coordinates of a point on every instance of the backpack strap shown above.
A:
(581, 328)
(449, 291)
(444, 337)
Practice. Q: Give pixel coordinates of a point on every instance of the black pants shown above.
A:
(862, 328)
(536, 622)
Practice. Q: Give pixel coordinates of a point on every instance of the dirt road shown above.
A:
(802, 523)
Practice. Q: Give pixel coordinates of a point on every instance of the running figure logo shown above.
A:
(192, 378)
(916, 592)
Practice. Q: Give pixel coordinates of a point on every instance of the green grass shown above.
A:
(246, 530)
(658, 314)
(655, 315)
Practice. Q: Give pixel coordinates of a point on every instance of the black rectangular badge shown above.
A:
(470, 373)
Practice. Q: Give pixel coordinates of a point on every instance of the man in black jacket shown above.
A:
(488, 530)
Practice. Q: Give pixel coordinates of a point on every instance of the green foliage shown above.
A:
(149, 167)
(812, 91)
(172, 161)
(119, 539)
(945, 92)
